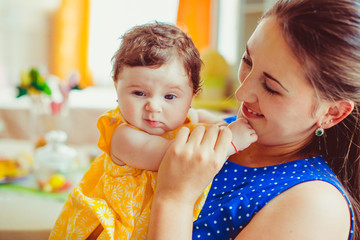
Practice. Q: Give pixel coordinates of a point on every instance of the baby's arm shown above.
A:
(137, 148)
(204, 116)
(242, 135)
(141, 150)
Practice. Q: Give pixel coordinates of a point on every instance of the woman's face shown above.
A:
(276, 98)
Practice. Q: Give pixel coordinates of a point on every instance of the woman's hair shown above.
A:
(324, 35)
(154, 44)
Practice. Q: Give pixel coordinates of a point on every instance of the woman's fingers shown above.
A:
(196, 136)
(223, 140)
(182, 136)
(191, 162)
(210, 136)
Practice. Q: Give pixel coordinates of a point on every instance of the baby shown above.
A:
(156, 76)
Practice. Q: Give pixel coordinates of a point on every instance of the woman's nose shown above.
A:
(246, 92)
(153, 105)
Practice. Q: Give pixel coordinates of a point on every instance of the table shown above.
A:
(26, 212)
(84, 108)
(26, 216)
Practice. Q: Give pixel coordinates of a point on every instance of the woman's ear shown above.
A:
(337, 111)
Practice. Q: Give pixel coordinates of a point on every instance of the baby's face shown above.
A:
(155, 100)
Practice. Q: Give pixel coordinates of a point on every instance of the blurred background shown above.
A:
(55, 81)
(63, 37)
(66, 35)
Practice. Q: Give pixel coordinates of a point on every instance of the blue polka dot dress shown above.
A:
(238, 192)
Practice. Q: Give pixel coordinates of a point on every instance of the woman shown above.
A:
(300, 75)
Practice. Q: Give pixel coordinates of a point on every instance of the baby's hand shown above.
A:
(242, 133)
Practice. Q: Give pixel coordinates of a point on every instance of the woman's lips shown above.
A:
(247, 112)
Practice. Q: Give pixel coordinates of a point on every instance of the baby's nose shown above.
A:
(153, 106)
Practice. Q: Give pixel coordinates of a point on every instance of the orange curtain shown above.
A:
(70, 38)
(194, 18)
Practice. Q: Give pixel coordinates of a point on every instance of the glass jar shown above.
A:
(53, 162)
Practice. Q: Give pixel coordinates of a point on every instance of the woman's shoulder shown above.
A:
(318, 197)
(309, 210)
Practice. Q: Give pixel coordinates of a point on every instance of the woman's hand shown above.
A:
(192, 161)
(189, 165)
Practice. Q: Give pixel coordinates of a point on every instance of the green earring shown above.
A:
(319, 132)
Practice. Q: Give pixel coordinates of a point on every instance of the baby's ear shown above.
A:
(338, 111)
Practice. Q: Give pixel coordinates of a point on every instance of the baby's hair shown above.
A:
(155, 44)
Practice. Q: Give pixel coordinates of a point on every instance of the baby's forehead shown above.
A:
(171, 74)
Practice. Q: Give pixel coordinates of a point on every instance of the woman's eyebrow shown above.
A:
(266, 74)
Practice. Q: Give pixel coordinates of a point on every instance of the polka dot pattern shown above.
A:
(239, 192)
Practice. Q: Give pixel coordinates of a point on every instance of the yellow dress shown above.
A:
(117, 197)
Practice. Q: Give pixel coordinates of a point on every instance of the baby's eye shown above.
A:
(170, 96)
(139, 93)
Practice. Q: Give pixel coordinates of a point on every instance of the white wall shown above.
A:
(25, 31)
(109, 19)
(24, 37)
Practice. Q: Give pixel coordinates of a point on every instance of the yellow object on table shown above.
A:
(17, 167)
(57, 180)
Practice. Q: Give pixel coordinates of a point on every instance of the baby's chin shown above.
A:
(155, 131)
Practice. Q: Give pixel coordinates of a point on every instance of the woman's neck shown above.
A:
(258, 155)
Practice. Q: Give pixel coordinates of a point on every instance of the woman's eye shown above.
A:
(170, 96)
(139, 93)
(269, 90)
(246, 60)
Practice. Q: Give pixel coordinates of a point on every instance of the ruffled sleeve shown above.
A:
(107, 123)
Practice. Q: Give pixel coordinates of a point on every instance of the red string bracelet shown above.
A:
(234, 146)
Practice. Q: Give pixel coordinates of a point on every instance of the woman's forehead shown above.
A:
(270, 52)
